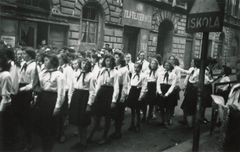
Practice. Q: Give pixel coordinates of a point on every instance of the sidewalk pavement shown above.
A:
(208, 143)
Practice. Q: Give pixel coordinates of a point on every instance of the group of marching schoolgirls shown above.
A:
(46, 89)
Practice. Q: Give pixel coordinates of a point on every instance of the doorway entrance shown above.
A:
(165, 38)
(28, 33)
(130, 40)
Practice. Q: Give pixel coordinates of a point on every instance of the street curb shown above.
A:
(187, 145)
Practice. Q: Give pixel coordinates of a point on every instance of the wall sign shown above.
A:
(206, 16)
(10, 40)
(137, 14)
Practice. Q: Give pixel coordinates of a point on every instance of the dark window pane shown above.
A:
(84, 37)
(92, 27)
(91, 38)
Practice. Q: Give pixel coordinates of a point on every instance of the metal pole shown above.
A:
(197, 117)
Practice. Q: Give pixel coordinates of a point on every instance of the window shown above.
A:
(236, 8)
(90, 20)
(233, 7)
(30, 2)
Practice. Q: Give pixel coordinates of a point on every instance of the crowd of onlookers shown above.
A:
(43, 89)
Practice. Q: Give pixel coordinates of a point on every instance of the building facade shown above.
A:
(152, 26)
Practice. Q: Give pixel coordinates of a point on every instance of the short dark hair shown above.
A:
(121, 56)
(138, 64)
(227, 70)
(176, 62)
(88, 66)
(10, 54)
(112, 60)
(4, 61)
(30, 52)
(159, 58)
(53, 59)
(64, 57)
(95, 56)
(197, 62)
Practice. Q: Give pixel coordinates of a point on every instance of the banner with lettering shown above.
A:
(137, 14)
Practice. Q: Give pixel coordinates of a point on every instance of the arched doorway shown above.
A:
(165, 38)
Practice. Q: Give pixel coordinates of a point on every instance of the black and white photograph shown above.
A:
(119, 75)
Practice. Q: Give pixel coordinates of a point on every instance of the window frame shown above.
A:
(87, 22)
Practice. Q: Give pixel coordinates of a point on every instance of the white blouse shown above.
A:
(79, 83)
(14, 72)
(53, 81)
(67, 75)
(124, 80)
(172, 80)
(108, 77)
(151, 75)
(222, 80)
(145, 65)
(139, 81)
(130, 67)
(27, 76)
(5, 88)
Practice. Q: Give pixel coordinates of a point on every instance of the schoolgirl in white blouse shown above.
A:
(165, 86)
(80, 93)
(50, 100)
(5, 104)
(151, 96)
(137, 92)
(124, 79)
(107, 91)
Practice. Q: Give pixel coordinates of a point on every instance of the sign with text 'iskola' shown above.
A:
(206, 16)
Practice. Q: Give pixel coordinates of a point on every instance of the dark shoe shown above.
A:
(143, 120)
(183, 122)
(90, 141)
(205, 121)
(170, 122)
(28, 148)
(78, 146)
(103, 141)
(62, 139)
(132, 128)
(116, 135)
(137, 130)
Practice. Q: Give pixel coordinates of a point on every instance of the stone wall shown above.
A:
(112, 12)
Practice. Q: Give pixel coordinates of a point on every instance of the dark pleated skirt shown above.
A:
(120, 92)
(64, 107)
(77, 113)
(166, 102)
(132, 100)
(43, 112)
(103, 100)
(7, 128)
(21, 104)
(176, 94)
(232, 134)
(190, 100)
(207, 91)
(151, 97)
